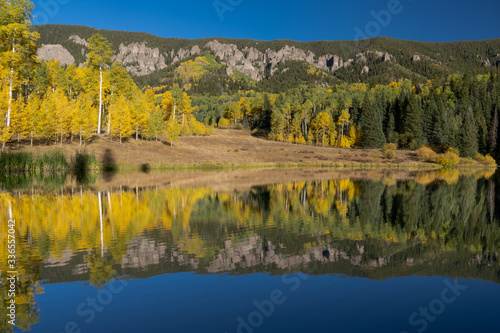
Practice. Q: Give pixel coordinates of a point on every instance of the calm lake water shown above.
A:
(343, 255)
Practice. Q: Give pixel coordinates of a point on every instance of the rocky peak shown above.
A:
(184, 53)
(56, 52)
(78, 40)
(139, 59)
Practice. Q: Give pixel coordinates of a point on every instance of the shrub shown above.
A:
(448, 159)
(389, 154)
(488, 160)
(224, 122)
(412, 145)
(453, 150)
(390, 146)
(425, 154)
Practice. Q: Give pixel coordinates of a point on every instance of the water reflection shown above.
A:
(440, 223)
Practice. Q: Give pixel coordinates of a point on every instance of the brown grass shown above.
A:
(227, 146)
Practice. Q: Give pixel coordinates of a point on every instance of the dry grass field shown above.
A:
(227, 146)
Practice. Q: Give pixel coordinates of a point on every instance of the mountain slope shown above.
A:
(151, 59)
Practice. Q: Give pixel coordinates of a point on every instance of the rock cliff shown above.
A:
(56, 52)
(141, 60)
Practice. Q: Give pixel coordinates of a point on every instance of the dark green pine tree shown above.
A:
(468, 134)
(494, 133)
(429, 119)
(442, 132)
(371, 123)
(413, 120)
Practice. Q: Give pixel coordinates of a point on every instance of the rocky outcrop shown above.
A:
(250, 61)
(365, 70)
(362, 57)
(78, 40)
(56, 52)
(253, 62)
(415, 58)
(184, 53)
(139, 59)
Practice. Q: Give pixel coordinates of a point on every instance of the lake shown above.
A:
(353, 252)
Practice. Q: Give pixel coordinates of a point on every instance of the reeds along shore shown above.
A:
(46, 163)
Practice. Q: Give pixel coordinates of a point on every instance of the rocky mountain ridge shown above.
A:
(141, 60)
(152, 60)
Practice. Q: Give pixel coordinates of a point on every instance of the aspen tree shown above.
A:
(99, 57)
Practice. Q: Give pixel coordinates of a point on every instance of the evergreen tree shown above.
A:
(468, 134)
(371, 123)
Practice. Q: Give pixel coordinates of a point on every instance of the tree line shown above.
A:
(460, 111)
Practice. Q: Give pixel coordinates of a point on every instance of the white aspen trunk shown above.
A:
(109, 203)
(10, 210)
(11, 82)
(109, 114)
(100, 216)
(100, 102)
(173, 122)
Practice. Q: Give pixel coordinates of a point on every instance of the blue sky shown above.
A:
(423, 20)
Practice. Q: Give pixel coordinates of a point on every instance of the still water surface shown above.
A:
(415, 255)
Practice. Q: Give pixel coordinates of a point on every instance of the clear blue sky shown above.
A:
(423, 20)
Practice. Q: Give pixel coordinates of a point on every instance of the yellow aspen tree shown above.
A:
(84, 80)
(232, 112)
(277, 125)
(5, 131)
(141, 111)
(155, 125)
(353, 135)
(171, 103)
(31, 117)
(122, 125)
(186, 113)
(344, 142)
(62, 114)
(295, 130)
(245, 107)
(99, 57)
(168, 106)
(332, 132)
(17, 108)
(47, 127)
(173, 131)
(343, 122)
(85, 120)
(322, 129)
(55, 73)
(17, 46)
